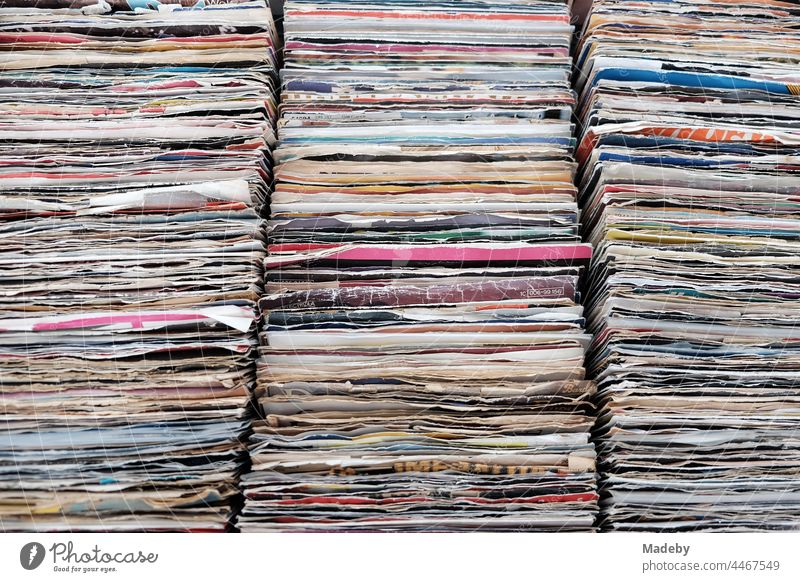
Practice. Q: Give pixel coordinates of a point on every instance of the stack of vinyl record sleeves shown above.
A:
(422, 346)
(134, 162)
(690, 180)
